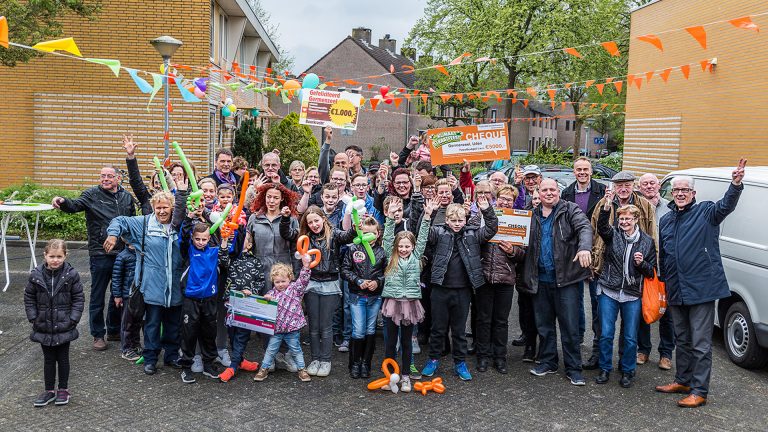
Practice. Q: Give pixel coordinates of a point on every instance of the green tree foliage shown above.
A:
(33, 21)
(249, 141)
(547, 156)
(294, 141)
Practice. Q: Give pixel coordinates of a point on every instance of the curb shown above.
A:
(41, 243)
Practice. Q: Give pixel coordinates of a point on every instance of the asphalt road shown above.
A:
(109, 393)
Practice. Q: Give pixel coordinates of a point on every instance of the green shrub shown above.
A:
(615, 161)
(54, 223)
(546, 156)
(294, 141)
(249, 140)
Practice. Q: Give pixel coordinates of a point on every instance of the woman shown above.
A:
(311, 190)
(400, 186)
(158, 272)
(296, 172)
(630, 255)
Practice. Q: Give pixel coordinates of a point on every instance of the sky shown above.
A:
(309, 29)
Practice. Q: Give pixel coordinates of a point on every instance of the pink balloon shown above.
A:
(199, 93)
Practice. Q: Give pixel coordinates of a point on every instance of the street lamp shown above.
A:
(166, 46)
(586, 129)
(473, 113)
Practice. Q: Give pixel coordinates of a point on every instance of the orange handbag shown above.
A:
(654, 298)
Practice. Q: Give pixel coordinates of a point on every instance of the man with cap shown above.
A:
(531, 181)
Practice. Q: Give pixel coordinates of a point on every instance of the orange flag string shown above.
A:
(398, 101)
(531, 91)
(745, 23)
(618, 85)
(589, 83)
(442, 69)
(686, 70)
(552, 93)
(699, 34)
(638, 82)
(458, 59)
(612, 48)
(3, 31)
(648, 76)
(573, 52)
(653, 40)
(599, 88)
(374, 102)
(665, 74)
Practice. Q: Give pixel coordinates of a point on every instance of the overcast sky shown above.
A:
(309, 29)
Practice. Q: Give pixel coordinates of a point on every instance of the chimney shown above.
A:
(408, 52)
(362, 33)
(387, 43)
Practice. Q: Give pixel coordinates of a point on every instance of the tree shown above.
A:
(294, 141)
(249, 141)
(30, 22)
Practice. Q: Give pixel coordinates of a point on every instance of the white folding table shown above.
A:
(10, 212)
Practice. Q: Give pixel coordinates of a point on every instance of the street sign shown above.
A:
(599, 140)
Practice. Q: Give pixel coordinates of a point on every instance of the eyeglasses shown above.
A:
(624, 219)
(484, 192)
(107, 176)
(504, 200)
(681, 190)
(360, 186)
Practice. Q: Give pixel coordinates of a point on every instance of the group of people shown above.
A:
(433, 268)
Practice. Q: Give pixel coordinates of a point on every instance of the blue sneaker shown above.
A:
(430, 367)
(462, 371)
(542, 370)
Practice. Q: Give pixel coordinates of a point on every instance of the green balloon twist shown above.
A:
(364, 239)
(193, 201)
(221, 220)
(161, 174)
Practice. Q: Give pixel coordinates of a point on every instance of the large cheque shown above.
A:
(329, 108)
(473, 143)
(514, 226)
(254, 313)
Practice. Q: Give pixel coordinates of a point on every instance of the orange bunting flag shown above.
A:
(511, 92)
(66, 44)
(442, 70)
(408, 69)
(608, 80)
(3, 31)
(401, 90)
(235, 67)
(589, 83)
(525, 103)
(514, 100)
(699, 34)
(170, 107)
(459, 96)
(630, 79)
(686, 70)
(745, 23)
(370, 86)
(532, 91)
(665, 74)
(486, 97)
(374, 103)
(618, 85)
(281, 81)
(648, 76)
(653, 40)
(398, 101)
(330, 84)
(612, 48)
(568, 85)
(362, 101)
(552, 104)
(458, 59)
(271, 81)
(416, 91)
(573, 52)
(552, 93)
(407, 96)
(351, 82)
(424, 98)
(269, 70)
(593, 105)
(391, 68)
(704, 65)
(445, 97)
(638, 82)
(603, 106)
(471, 96)
(599, 88)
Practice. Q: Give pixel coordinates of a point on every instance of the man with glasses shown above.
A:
(691, 266)
(531, 178)
(355, 156)
(101, 204)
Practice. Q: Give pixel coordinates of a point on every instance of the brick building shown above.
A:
(62, 119)
(712, 118)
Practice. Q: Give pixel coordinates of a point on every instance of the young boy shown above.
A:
(123, 274)
(333, 211)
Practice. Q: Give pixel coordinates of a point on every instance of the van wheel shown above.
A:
(740, 339)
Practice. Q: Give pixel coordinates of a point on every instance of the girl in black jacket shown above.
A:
(53, 301)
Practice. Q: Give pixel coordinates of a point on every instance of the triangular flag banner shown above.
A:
(608, 80)
(3, 31)
(568, 85)
(552, 104)
(424, 98)
(458, 59)
(704, 65)
(743, 22)
(67, 44)
(589, 83)
(531, 91)
(143, 86)
(686, 70)
(552, 93)
(611, 48)
(170, 107)
(648, 76)
(599, 88)
(699, 34)
(157, 81)
(665, 74)
(186, 94)
(445, 97)
(442, 70)
(398, 101)
(618, 85)
(459, 96)
(638, 82)
(630, 79)
(653, 40)
(573, 52)
(374, 103)
(525, 103)
(370, 86)
(114, 65)
(603, 106)
(407, 96)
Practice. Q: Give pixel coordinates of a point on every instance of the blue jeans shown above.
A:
(294, 348)
(630, 315)
(101, 275)
(170, 319)
(240, 337)
(342, 321)
(553, 304)
(363, 311)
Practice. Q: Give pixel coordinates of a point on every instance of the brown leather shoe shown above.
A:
(99, 344)
(665, 363)
(642, 358)
(692, 401)
(673, 388)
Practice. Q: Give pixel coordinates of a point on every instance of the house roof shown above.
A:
(536, 106)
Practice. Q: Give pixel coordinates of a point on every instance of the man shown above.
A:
(223, 172)
(692, 268)
(355, 156)
(556, 263)
(101, 204)
(649, 187)
(531, 180)
(586, 193)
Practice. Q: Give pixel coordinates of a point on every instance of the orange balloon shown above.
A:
(436, 385)
(291, 86)
(302, 247)
(381, 382)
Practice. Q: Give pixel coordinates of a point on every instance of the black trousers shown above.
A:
(425, 327)
(198, 326)
(450, 308)
(527, 317)
(406, 332)
(493, 304)
(52, 356)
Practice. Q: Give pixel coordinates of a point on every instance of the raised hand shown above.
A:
(638, 258)
(328, 134)
(306, 186)
(429, 207)
(453, 181)
(417, 181)
(128, 145)
(465, 167)
(286, 211)
(738, 173)
(482, 201)
(413, 141)
(260, 180)
(609, 194)
(518, 175)
(393, 158)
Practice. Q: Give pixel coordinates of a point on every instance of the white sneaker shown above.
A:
(325, 369)
(313, 367)
(344, 347)
(197, 364)
(415, 345)
(223, 358)
(405, 384)
(285, 361)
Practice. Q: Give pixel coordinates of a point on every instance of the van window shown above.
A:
(666, 189)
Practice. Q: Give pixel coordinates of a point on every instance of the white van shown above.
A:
(744, 248)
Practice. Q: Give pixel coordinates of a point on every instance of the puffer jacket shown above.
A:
(498, 266)
(572, 233)
(612, 276)
(357, 268)
(123, 273)
(441, 240)
(330, 263)
(53, 302)
(646, 223)
(404, 282)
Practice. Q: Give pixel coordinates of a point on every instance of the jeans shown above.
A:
(693, 330)
(450, 308)
(666, 337)
(527, 318)
(342, 321)
(561, 304)
(630, 315)
(363, 310)
(53, 356)
(494, 302)
(101, 276)
(320, 311)
(291, 339)
(240, 337)
(170, 319)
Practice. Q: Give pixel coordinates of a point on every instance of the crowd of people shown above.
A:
(435, 270)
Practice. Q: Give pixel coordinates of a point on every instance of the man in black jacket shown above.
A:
(101, 204)
(586, 193)
(223, 172)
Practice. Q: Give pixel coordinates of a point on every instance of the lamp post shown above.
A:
(166, 46)
(586, 129)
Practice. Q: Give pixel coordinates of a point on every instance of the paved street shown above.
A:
(109, 393)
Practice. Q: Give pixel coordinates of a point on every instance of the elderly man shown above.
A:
(223, 172)
(649, 187)
(531, 178)
(692, 268)
(101, 204)
(556, 263)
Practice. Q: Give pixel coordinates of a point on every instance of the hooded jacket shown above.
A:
(53, 302)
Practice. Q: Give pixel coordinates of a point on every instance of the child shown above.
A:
(365, 282)
(123, 273)
(402, 288)
(324, 289)
(208, 186)
(290, 317)
(199, 284)
(53, 301)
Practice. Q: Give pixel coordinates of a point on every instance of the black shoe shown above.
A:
(365, 370)
(150, 369)
(113, 337)
(520, 341)
(45, 398)
(592, 363)
(603, 377)
(354, 371)
(187, 377)
(482, 365)
(211, 371)
(173, 364)
(501, 366)
(530, 354)
(626, 380)
(337, 340)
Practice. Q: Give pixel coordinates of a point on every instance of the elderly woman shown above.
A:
(630, 255)
(158, 272)
(296, 172)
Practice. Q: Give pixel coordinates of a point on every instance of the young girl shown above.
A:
(402, 288)
(208, 186)
(290, 317)
(366, 282)
(53, 301)
(324, 289)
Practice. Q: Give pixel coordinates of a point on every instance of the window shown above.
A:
(567, 125)
(212, 28)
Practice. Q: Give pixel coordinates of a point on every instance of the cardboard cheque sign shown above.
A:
(253, 313)
(514, 226)
(323, 108)
(474, 143)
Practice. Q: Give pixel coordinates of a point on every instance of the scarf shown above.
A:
(630, 240)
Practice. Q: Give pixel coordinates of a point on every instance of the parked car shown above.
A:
(602, 153)
(514, 159)
(744, 249)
